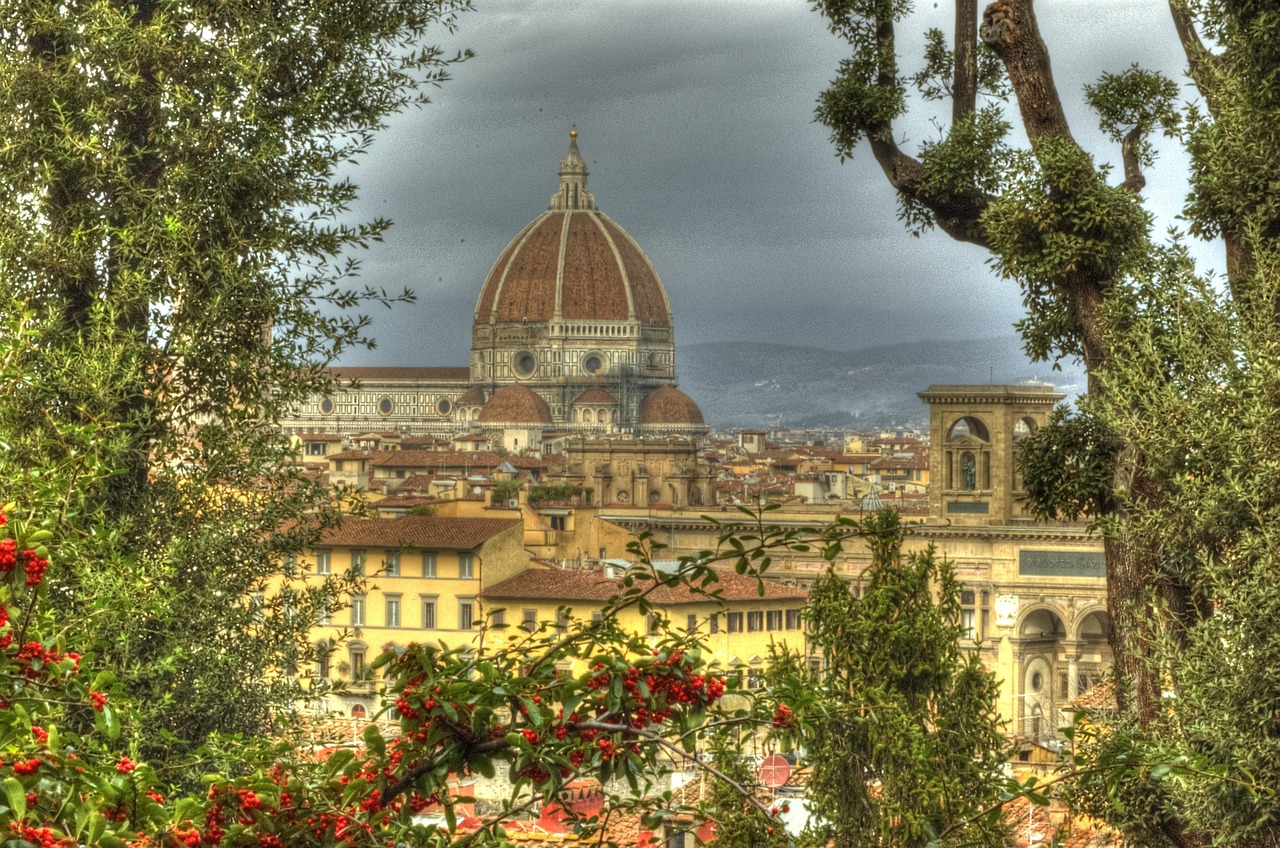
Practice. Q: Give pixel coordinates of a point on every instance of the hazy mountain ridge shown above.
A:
(742, 384)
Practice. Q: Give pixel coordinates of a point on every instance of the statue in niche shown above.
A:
(969, 472)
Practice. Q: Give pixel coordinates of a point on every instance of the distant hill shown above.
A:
(746, 384)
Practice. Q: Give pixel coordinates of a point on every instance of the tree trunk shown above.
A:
(964, 86)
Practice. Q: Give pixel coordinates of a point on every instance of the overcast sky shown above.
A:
(696, 120)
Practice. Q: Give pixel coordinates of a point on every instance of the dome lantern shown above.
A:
(573, 192)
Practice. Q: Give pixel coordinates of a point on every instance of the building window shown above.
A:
(654, 624)
(755, 621)
(429, 613)
(315, 448)
(466, 613)
(322, 660)
(692, 626)
(713, 623)
(562, 617)
(466, 567)
(529, 620)
(968, 614)
(497, 618)
(773, 620)
(393, 610)
(557, 522)
(735, 622)
(257, 601)
(793, 619)
(428, 564)
(324, 562)
(393, 563)
(357, 563)
(357, 610)
(358, 669)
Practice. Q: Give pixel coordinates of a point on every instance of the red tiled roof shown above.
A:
(477, 460)
(349, 454)
(579, 260)
(473, 396)
(669, 405)
(515, 404)
(400, 373)
(418, 531)
(572, 585)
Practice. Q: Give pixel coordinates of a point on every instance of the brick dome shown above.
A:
(515, 404)
(573, 263)
(669, 405)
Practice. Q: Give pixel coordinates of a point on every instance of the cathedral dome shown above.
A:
(669, 405)
(573, 263)
(515, 404)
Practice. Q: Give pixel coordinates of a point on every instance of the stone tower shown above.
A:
(974, 433)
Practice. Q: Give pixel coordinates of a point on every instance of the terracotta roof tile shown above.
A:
(473, 396)
(349, 454)
(598, 265)
(412, 373)
(418, 531)
(452, 459)
(593, 585)
(515, 404)
(646, 290)
(669, 405)
(593, 287)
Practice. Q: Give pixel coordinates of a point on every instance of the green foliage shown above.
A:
(1135, 102)
(739, 824)
(902, 729)
(553, 492)
(506, 490)
(1058, 224)
(177, 277)
(1067, 466)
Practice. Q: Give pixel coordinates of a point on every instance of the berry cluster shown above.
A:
(33, 564)
(782, 717)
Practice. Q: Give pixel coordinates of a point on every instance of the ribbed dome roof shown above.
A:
(573, 263)
(595, 394)
(668, 405)
(515, 404)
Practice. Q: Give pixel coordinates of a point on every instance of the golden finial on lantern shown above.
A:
(573, 131)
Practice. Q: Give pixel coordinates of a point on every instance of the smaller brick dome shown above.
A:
(473, 396)
(596, 395)
(515, 405)
(668, 405)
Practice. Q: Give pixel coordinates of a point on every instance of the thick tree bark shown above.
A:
(1009, 28)
(964, 85)
(958, 215)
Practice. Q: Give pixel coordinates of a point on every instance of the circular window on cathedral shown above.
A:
(525, 363)
(326, 406)
(385, 406)
(1037, 681)
(593, 364)
(443, 406)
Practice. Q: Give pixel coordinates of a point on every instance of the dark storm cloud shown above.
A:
(696, 122)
